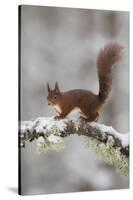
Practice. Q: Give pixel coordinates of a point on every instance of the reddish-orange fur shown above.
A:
(88, 102)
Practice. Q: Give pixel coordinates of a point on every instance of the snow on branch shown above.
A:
(106, 142)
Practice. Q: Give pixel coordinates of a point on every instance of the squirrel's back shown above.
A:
(108, 56)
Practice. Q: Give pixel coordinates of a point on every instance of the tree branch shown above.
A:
(106, 142)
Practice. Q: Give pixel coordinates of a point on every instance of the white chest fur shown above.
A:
(57, 109)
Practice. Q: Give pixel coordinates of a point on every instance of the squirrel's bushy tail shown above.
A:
(108, 56)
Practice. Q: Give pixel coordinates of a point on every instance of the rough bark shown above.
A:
(106, 142)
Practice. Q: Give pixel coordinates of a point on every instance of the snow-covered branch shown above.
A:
(106, 142)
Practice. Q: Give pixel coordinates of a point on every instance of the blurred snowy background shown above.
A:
(61, 44)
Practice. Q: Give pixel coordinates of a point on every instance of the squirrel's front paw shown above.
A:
(56, 117)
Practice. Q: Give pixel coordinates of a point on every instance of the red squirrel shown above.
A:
(86, 101)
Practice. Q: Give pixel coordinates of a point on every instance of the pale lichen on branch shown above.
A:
(106, 142)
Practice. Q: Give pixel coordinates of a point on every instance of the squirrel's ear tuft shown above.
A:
(48, 88)
(57, 87)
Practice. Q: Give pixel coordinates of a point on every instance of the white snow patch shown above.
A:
(26, 125)
(23, 127)
(123, 137)
(60, 124)
(39, 129)
(44, 124)
(40, 139)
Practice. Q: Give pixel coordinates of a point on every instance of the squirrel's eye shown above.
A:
(54, 97)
